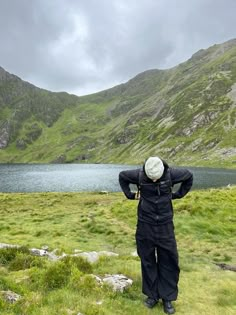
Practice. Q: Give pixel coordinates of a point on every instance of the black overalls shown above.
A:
(155, 238)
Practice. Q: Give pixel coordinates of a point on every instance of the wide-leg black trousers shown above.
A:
(156, 247)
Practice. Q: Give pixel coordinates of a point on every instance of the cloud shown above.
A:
(88, 45)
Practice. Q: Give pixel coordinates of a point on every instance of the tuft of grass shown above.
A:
(56, 276)
(226, 296)
(23, 261)
(7, 255)
(79, 262)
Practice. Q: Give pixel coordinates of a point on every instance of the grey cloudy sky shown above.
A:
(84, 46)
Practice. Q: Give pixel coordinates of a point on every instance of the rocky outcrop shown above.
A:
(83, 157)
(232, 94)
(226, 152)
(91, 257)
(21, 144)
(59, 159)
(4, 135)
(126, 136)
(199, 121)
(32, 134)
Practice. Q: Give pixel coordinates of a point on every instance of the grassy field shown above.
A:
(205, 230)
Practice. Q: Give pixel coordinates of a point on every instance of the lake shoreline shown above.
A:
(200, 166)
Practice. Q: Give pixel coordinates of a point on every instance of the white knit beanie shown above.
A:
(154, 167)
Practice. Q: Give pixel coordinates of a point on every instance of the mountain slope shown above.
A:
(186, 114)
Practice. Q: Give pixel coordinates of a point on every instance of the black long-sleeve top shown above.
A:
(155, 204)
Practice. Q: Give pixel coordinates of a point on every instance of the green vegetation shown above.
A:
(185, 114)
(205, 228)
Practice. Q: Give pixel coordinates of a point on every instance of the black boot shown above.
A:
(150, 302)
(168, 307)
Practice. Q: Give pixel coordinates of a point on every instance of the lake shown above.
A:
(90, 177)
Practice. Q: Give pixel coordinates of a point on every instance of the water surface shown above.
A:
(90, 177)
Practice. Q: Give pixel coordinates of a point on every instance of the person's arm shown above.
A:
(185, 178)
(125, 179)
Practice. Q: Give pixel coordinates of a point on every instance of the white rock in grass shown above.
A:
(118, 282)
(38, 252)
(10, 296)
(43, 252)
(92, 257)
(134, 254)
(89, 256)
(4, 245)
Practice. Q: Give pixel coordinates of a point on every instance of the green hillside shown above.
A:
(186, 114)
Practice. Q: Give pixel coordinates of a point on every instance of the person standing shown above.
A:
(155, 237)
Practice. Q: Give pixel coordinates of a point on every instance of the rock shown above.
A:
(21, 144)
(134, 254)
(44, 252)
(200, 120)
(103, 192)
(4, 135)
(33, 134)
(59, 159)
(118, 282)
(232, 94)
(92, 257)
(10, 296)
(38, 252)
(195, 145)
(227, 152)
(127, 135)
(226, 267)
(83, 157)
(4, 245)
